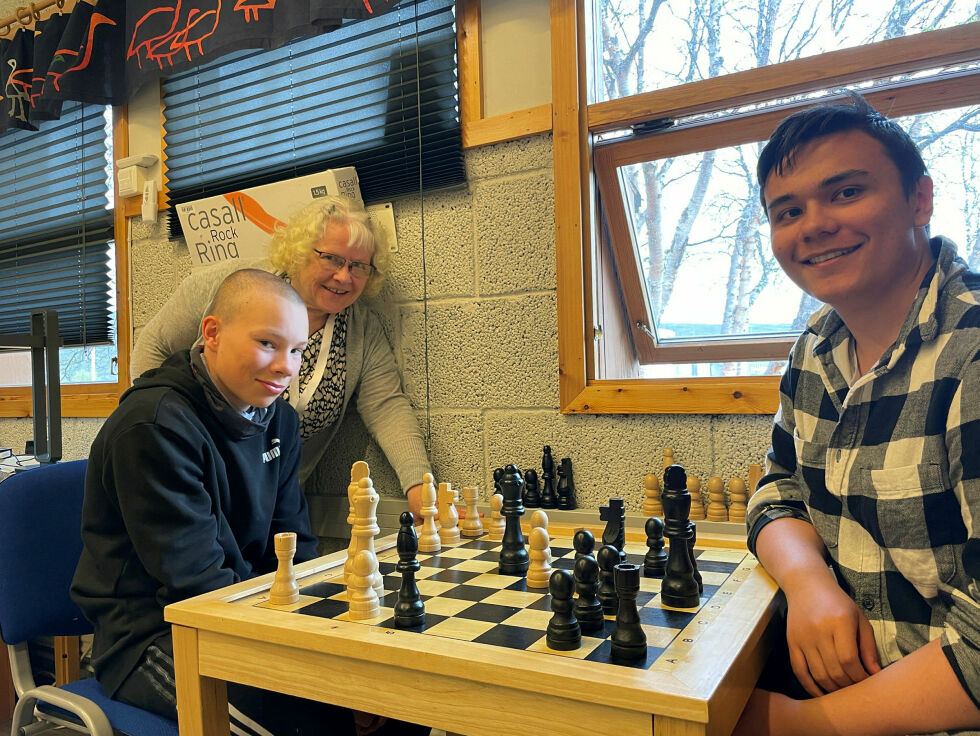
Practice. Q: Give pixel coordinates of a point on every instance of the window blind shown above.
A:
(378, 94)
(56, 233)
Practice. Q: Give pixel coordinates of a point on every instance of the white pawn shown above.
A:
(651, 496)
(448, 516)
(697, 503)
(362, 599)
(366, 525)
(739, 495)
(539, 571)
(716, 500)
(497, 521)
(429, 539)
(471, 526)
(539, 520)
(668, 457)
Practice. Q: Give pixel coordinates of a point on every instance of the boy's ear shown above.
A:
(210, 329)
(921, 200)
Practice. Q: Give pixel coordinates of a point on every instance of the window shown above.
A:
(379, 94)
(678, 279)
(57, 250)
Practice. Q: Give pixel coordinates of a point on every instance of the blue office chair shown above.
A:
(40, 542)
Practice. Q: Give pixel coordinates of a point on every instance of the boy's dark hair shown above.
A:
(836, 117)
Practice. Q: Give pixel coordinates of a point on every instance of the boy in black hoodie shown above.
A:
(188, 481)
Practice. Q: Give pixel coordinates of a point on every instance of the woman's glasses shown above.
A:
(333, 263)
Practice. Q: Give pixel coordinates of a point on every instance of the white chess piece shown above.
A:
(366, 525)
(738, 494)
(429, 539)
(539, 570)
(716, 500)
(539, 520)
(497, 522)
(358, 470)
(448, 516)
(362, 599)
(471, 526)
(697, 503)
(651, 496)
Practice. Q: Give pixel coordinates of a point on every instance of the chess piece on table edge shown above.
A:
(697, 503)
(738, 494)
(362, 600)
(651, 496)
(409, 610)
(284, 591)
(716, 500)
(564, 632)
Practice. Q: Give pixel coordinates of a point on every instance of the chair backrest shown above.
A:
(40, 543)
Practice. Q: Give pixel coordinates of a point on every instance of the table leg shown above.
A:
(663, 726)
(202, 702)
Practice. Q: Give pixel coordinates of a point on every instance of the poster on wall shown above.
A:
(239, 224)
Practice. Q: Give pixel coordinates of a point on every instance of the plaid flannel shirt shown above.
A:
(888, 469)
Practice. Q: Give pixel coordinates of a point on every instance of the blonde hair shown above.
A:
(291, 246)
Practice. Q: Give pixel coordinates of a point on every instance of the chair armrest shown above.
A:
(91, 715)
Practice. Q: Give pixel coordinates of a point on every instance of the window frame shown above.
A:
(95, 399)
(583, 295)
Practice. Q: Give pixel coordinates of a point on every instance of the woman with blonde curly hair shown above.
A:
(329, 252)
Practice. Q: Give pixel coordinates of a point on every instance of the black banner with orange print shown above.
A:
(103, 54)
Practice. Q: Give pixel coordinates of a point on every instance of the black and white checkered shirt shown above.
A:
(887, 469)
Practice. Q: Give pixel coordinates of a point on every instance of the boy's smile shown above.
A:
(842, 228)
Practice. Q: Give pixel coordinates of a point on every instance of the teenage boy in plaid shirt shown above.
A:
(875, 460)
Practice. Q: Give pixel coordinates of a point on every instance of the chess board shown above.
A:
(466, 599)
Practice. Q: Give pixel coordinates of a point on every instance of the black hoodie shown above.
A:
(183, 495)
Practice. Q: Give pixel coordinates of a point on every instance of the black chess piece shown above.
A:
(566, 486)
(614, 514)
(655, 562)
(588, 608)
(514, 559)
(564, 632)
(694, 560)
(679, 588)
(629, 642)
(497, 474)
(409, 609)
(584, 542)
(607, 559)
(549, 499)
(532, 497)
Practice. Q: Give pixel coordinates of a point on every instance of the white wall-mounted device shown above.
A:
(131, 173)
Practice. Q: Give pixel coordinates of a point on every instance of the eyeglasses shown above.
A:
(333, 263)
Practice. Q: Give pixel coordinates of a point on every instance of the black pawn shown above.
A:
(655, 562)
(532, 497)
(409, 609)
(497, 475)
(584, 542)
(614, 514)
(679, 588)
(608, 558)
(694, 560)
(588, 609)
(629, 642)
(564, 633)
(566, 486)
(549, 499)
(514, 559)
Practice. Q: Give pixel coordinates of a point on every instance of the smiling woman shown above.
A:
(328, 253)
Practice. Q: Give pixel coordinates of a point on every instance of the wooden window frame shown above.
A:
(95, 399)
(580, 288)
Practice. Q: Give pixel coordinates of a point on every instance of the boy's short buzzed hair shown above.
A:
(837, 117)
(245, 282)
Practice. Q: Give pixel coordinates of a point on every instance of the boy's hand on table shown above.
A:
(831, 643)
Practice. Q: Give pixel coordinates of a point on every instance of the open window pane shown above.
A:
(700, 242)
(646, 45)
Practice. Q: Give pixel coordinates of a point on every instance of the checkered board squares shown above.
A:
(466, 599)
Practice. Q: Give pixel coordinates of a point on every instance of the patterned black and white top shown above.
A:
(886, 467)
(327, 402)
